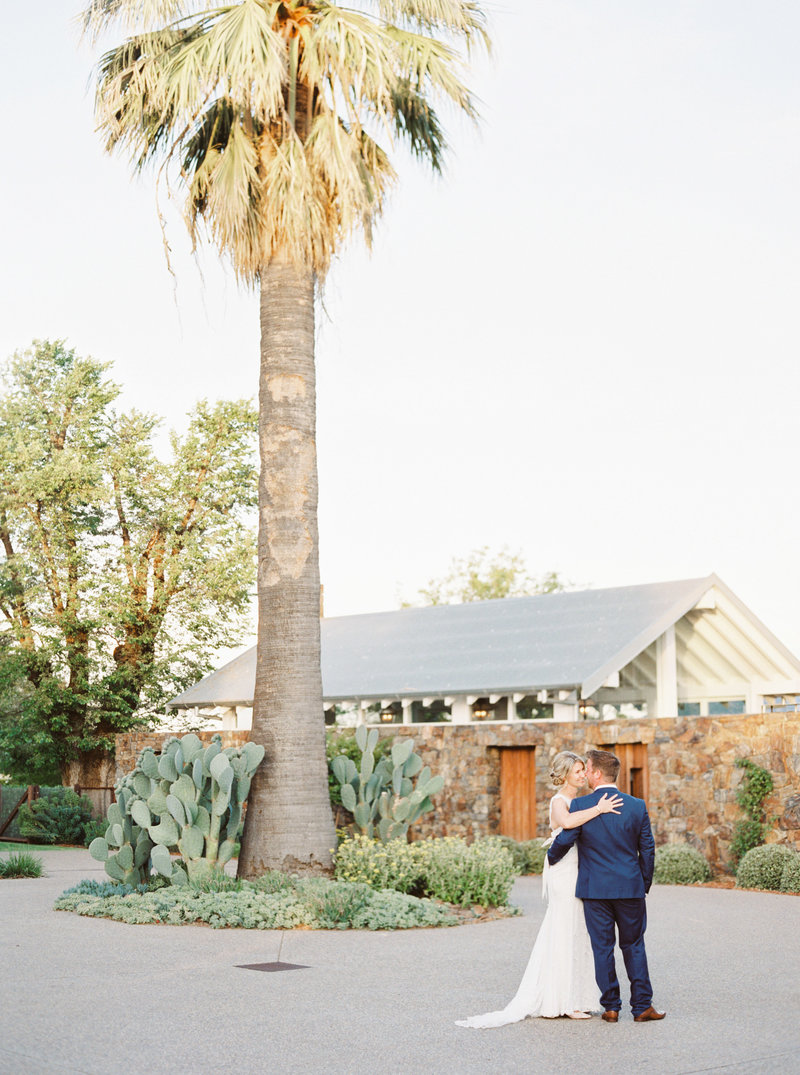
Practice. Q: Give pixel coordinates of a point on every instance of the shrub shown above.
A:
(762, 867)
(21, 864)
(747, 834)
(58, 816)
(516, 849)
(395, 864)
(94, 828)
(754, 789)
(446, 868)
(217, 882)
(336, 904)
(528, 855)
(273, 881)
(790, 878)
(535, 856)
(680, 864)
(455, 872)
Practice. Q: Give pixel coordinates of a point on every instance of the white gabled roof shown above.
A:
(573, 641)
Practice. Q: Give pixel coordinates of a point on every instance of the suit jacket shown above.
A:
(616, 852)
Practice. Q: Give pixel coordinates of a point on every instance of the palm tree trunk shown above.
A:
(289, 819)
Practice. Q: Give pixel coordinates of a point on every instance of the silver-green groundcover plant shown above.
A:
(274, 901)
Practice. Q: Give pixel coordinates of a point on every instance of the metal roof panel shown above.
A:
(559, 640)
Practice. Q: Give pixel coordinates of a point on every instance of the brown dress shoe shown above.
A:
(647, 1015)
(612, 1017)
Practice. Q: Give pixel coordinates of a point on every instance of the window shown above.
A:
(736, 705)
(532, 709)
(432, 714)
(713, 709)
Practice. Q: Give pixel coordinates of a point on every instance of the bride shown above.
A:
(559, 978)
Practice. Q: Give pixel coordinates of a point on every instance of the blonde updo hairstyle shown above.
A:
(562, 763)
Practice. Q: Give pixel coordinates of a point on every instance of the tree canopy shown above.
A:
(122, 573)
(273, 114)
(482, 575)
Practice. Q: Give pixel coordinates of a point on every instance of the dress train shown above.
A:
(559, 977)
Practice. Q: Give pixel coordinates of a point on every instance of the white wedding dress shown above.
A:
(559, 977)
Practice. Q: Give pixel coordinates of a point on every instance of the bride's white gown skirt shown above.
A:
(559, 977)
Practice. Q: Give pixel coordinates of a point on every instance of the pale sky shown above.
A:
(582, 343)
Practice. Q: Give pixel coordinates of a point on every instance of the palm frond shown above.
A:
(100, 15)
(160, 81)
(211, 133)
(298, 218)
(417, 123)
(129, 105)
(461, 18)
(224, 193)
(431, 65)
(354, 170)
(241, 54)
(350, 54)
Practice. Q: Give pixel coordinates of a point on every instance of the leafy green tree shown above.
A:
(121, 574)
(269, 113)
(484, 576)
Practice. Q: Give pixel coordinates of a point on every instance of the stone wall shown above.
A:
(691, 769)
(130, 745)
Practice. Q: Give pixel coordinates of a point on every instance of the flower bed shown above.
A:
(274, 901)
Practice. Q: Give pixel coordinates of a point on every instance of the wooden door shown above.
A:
(633, 775)
(518, 792)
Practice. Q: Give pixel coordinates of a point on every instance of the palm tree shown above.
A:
(270, 115)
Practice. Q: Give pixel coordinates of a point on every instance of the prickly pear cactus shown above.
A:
(383, 798)
(187, 799)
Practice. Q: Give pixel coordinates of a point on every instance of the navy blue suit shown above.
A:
(616, 855)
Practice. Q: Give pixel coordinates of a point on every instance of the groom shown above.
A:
(616, 855)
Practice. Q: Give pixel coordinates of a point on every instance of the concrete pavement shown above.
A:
(96, 997)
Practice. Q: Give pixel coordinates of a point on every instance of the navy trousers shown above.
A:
(629, 918)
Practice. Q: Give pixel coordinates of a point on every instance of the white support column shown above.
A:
(361, 717)
(228, 715)
(566, 708)
(407, 703)
(666, 674)
(512, 705)
(650, 697)
(461, 710)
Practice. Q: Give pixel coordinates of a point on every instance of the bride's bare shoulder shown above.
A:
(559, 808)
